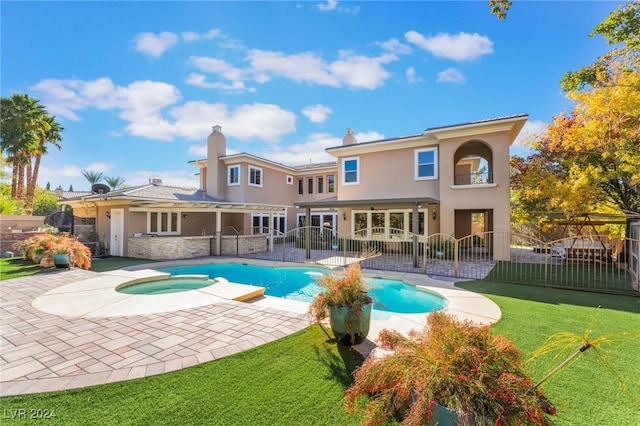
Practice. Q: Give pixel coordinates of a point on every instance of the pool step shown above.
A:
(233, 291)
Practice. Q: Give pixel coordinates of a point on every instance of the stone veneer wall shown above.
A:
(243, 244)
(165, 248)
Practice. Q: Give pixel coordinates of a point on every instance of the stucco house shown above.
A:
(450, 179)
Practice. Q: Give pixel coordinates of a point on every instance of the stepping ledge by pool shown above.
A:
(99, 298)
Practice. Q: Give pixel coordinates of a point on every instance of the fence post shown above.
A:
(455, 257)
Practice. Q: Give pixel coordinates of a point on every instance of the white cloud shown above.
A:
(531, 128)
(144, 105)
(459, 47)
(451, 75)
(198, 151)
(301, 153)
(141, 100)
(99, 167)
(328, 6)
(313, 149)
(368, 136)
(155, 44)
(317, 113)
(191, 36)
(301, 67)
(265, 122)
(395, 46)
(411, 75)
(353, 71)
(200, 80)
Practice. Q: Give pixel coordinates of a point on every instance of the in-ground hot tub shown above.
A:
(172, 284)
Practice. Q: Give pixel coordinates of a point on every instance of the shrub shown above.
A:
(458, 365)
(48, 244)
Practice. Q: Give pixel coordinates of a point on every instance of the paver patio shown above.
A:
(42, 352)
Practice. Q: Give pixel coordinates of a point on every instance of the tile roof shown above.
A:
(160, 193)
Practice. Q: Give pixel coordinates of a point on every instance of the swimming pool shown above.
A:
(299, 283)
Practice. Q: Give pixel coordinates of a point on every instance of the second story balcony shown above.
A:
(473, 178)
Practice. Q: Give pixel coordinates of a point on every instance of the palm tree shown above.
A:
(25, 128)
(52, 135)
(92, 177)
(114, 182)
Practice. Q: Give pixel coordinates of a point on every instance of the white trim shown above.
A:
(475, 186)
(159, 214)
(116, 232)
(289, 180)
(387, 222)
(416, 163)
(357, 171)
(258, 169)
(229, 168)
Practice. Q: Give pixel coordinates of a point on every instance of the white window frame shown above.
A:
(229, 169)
(387, 223)
(160, 231)
(344, 172)
(258, 169)
(416, 164)
(261, 229)
(321, 215)
(289, 180)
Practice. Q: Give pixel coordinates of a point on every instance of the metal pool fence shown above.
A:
(594, 263)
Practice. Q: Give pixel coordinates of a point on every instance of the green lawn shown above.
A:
(17, 267)
(301, 379)
(588, 391)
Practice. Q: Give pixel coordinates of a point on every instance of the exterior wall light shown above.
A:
(108, 215)
(434, 215)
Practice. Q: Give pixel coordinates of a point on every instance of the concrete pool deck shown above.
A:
(67, 330)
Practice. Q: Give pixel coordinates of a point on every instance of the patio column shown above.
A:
(415, 226)
(218, 232)
(307, 232)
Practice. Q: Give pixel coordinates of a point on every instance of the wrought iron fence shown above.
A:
(594, 263)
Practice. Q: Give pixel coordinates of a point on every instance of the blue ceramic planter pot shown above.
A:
(61, 260)
(345, 319)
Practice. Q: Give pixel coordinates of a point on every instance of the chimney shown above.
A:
(349, 139)
(215, 173)
(155, 181)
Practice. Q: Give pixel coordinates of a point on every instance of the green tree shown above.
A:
(622, 29)
(114, 182)
(45, 203)
(588, 160)
(92, 177)
(25, 130)
(499, 8)
(51, 135)
(9, 205)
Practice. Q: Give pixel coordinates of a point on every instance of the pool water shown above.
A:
(170, 285)
(299, 283)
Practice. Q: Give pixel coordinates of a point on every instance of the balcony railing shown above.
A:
(475, 178)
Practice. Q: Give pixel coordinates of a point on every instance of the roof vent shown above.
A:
(100, 188)
(155, 181)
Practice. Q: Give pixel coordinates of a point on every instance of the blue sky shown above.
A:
(138, 85)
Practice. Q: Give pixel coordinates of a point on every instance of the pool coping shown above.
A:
(43, 352)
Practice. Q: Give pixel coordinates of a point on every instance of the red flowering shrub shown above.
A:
(455, 364)
(48, 244)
